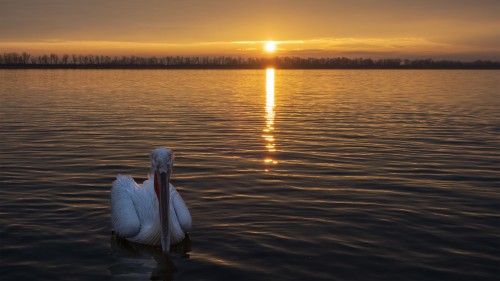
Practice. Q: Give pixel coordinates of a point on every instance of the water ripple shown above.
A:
(361, 175)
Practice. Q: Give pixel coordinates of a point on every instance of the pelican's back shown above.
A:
(134, 211)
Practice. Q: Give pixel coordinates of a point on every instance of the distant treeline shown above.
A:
(26, 60)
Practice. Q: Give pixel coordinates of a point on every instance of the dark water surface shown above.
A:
(289, 175)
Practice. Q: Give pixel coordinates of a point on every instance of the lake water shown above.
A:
(289, 174)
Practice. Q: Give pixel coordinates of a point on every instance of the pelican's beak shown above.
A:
(164, 188)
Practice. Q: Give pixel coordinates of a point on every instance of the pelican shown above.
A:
(151, 213)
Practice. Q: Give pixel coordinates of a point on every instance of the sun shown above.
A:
(270, 46)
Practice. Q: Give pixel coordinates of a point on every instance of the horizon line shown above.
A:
(245, 57)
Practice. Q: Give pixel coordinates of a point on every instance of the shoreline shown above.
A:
(216, 67)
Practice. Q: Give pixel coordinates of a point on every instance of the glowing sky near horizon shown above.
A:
(449, 29)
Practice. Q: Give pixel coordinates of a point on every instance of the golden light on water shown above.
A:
(270, 114)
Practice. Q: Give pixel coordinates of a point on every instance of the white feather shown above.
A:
(135, 213)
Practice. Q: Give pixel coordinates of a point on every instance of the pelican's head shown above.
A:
(162, 159)
(162, 162)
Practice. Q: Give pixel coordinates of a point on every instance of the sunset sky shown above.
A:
(441, 29)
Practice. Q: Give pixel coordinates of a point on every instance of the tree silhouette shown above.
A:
(25, 60)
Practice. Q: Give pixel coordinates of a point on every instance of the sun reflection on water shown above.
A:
(270, 114)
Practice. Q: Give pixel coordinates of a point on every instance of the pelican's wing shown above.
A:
(124, 216)
(180, 218)
(181, 210)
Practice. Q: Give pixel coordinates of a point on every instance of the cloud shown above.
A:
(406, 47)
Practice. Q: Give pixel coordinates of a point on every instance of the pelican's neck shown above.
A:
(156, 184)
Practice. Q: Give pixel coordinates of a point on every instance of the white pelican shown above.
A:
(150, 213)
